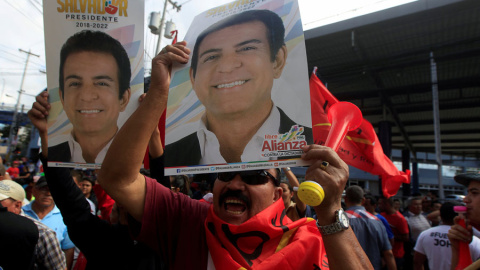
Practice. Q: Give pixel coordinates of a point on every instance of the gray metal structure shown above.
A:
(383, 60)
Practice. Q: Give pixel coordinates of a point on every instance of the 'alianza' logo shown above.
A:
(287, 144)
(111, 7)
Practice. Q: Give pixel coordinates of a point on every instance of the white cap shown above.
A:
(10, 189)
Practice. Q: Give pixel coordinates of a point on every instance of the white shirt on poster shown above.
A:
(77, 155)
(210, 147)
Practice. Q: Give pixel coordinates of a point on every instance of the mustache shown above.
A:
(235, 194)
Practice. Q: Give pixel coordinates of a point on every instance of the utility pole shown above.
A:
(162, 22)
(3, 89)
(13, 127)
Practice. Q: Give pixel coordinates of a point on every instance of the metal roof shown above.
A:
(382, 63)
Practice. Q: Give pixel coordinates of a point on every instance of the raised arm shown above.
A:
(120, 175)
(333, 179)
(292, 179)
(38, 116)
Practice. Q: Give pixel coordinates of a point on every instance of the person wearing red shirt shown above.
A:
(399, 226)
(13, 171)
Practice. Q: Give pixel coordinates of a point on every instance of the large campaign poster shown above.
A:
(242, 102)
(95, 74)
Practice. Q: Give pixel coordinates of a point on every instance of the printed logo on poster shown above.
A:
(286, 144)
(93, 10)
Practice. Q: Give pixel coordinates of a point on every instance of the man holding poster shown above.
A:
(94, 88)
(234, 64)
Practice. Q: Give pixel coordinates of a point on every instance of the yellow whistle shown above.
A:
(310, 192)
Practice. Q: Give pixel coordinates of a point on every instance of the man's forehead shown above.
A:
(474, 185)
(94, 54)
(255, 26)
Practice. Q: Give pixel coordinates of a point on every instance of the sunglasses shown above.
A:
(259, 177)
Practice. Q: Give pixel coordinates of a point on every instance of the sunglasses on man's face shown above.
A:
(259, 177)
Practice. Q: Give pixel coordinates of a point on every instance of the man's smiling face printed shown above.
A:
(235, 72)
(91, 93)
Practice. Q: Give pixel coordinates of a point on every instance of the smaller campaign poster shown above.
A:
(95, 75)
(242, 102)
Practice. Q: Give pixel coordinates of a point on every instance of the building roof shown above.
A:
(382, 63)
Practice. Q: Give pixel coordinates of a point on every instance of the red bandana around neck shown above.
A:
(269, 240)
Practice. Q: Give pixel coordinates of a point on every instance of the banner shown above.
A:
(360, 148)
(239, 104)
(94, 56)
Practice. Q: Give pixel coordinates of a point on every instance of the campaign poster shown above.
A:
(95, 75)
(243, 101)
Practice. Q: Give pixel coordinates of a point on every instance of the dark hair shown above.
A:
(389, 200)
(446, 211)
(271, 20)
(145, 172)
(288, 185)
(373, 200)
(96, 41)
(181, 182)
(354, 194)
(86, 178)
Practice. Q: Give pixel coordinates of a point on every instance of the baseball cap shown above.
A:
(465, 178)
(10, 189)
(42, 182)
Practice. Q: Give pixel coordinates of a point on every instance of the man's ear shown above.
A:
(60, 93)
(277, 194)
(125, 99)
(18, 207)
(192, 79)
(280, 61)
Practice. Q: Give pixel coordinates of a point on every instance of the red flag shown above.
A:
(174, 34)
(360, 148)
(269, 240)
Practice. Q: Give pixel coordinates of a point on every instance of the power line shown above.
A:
(34, 4)
(25, 15)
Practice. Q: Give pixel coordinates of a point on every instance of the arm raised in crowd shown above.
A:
(120, 177)
(333, 179)
(38, 116)
(292, 179)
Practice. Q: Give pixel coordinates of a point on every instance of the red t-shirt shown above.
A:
(14, 172)
(173, 225)
(399, 226)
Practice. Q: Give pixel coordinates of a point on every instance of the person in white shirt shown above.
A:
(417, 222)
(433, 244)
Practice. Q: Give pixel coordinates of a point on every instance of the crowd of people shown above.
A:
(125, 217)
(62, 228)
